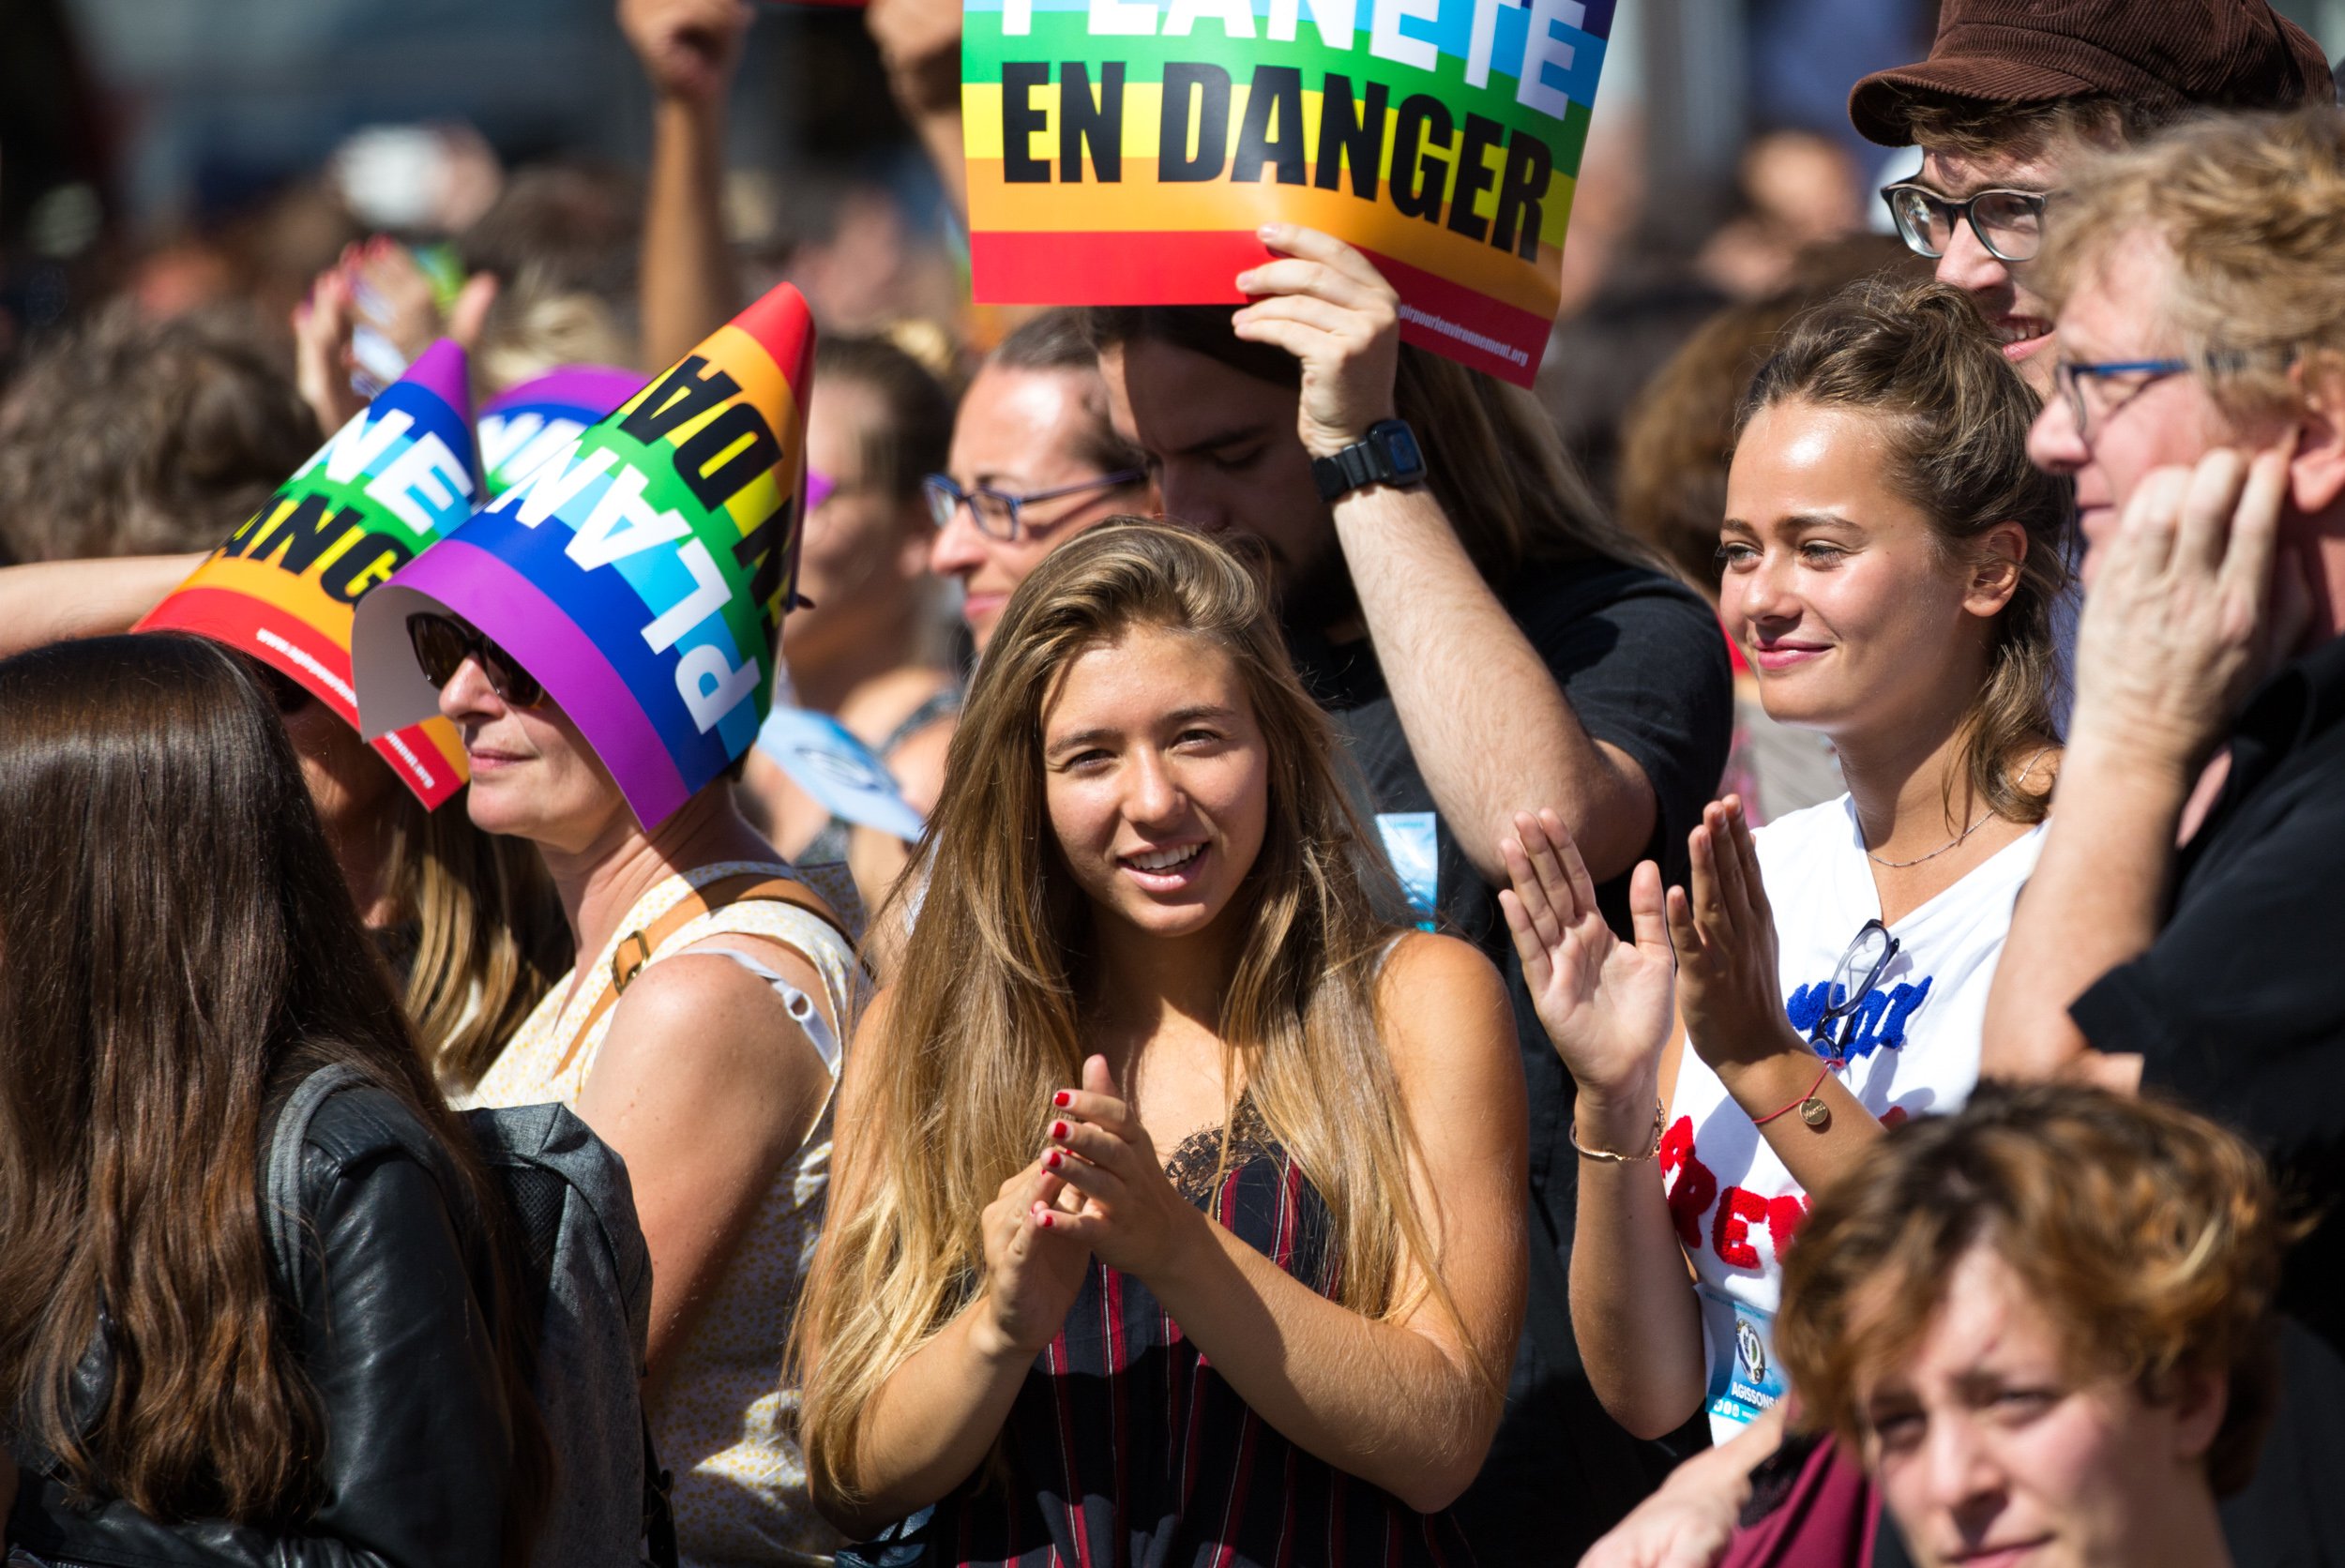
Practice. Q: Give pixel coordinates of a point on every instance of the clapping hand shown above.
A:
(1130, 1214)
(1033, 1269)
(1606, 1004)
(1728, 987)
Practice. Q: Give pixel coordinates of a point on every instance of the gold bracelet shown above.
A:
(1605, 1155)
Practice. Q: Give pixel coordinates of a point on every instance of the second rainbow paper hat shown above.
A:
(525, 425)
(641, 571)
(387, 486)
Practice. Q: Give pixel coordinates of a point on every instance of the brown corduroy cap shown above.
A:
(2158, 54)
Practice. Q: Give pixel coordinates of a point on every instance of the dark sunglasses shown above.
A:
(443, 644)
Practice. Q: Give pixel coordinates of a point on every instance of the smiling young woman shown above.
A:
(1891, 563)
(1165, 1132)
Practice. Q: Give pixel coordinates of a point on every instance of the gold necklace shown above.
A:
(1958, 838)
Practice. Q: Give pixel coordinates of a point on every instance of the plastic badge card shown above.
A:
(825, 759)
(1412, 842)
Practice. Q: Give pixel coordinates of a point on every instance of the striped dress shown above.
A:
(1125, 1448)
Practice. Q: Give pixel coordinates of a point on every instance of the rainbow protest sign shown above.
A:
(641, 570)
(522, 426)
(1122, 152)
(282, 588)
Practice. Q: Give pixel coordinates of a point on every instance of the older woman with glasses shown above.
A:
(1035, 463)
(1891, 560)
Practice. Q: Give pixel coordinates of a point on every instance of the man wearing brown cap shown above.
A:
(2010, 82)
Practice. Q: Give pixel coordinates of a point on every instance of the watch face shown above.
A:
(1400, 450)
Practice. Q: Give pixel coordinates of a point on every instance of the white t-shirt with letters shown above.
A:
(1912, 1048)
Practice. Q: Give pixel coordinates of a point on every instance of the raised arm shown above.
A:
(689, 288)
(1608, 1007)
(52, 601)
(704, 1086)
(1409, 1404)
(2181, 619)
(920, 42)
(1486, 720)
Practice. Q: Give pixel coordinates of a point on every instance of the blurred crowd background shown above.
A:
(164, 157)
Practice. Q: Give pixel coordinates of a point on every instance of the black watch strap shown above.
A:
(1389, 455)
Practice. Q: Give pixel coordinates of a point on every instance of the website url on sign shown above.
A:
(1464, 335)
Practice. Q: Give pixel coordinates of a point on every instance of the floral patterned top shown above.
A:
(725, 1424)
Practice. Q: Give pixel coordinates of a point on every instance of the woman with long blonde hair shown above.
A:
(1148, 924)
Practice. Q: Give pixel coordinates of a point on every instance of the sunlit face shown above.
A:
(1021, 432)
(1846, 604)
(2020, 319)
(1989, 1451)
(861, 546)
(2134, 424)
(1226, 457)
(533, 775)
(1156, 778)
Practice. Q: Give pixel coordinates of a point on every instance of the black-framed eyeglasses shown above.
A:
(2009, 223)
(997, 513)
(443, 644)
(1858, 974)
(2070, 376)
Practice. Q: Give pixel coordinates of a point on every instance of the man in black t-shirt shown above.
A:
(2210, 708)
(1457, 602)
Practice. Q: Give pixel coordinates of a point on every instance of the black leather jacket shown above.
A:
(416, 1452)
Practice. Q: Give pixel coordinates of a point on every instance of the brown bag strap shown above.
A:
(637, 948)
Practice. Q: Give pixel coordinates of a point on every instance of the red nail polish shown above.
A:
(1054, 1159)
(1062, 1098)
(1058, 1129)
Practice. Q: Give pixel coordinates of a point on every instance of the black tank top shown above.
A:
(1125, 1448)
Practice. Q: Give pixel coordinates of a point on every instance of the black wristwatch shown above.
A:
(1388, 456)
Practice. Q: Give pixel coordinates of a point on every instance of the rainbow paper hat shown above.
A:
(641, 571)
(523, 426)
(387, 485)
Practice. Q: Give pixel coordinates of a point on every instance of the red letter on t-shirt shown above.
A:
(1784, 1212)
(1730, 1233)
(1695, 1186)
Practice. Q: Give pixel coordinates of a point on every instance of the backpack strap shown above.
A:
(659, 1542)
(282, 1207)
(638, 948)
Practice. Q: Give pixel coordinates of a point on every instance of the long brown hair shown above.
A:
(180, 950)
(1491, 455)
(490, 938)
(985, 1019)
(1955, 415)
